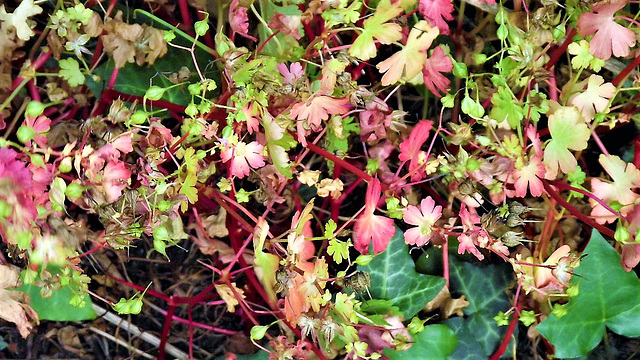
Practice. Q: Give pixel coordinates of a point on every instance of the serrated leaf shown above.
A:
(70, 71)
(608, 297)
(394, 278)
(478, 334)
(436, 342)
(505, 107)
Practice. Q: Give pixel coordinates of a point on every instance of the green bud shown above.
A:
(258, 332)
(460, 70)
(74, 190)
(201, 27)
(559, 32)
(29, 276)
(622, 234)
(416, 325)
(502, 32)
(160, 246)
(25, 134)
(34, 108)
(364, 259)
(37, 160)
(479, 58)
(160, 233)
(191, 110)
(227, 132)
(65, 165)
(154, 93)
(139, 117)
(616, 205)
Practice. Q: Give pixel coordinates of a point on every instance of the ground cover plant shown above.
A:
(252, 179)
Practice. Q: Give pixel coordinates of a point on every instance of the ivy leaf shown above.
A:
(436, 342)
(377, 27)
(70, 71)
(608, 297)
(478, 334)
(568, 132)
(394, 278)
(505, 107)
(408, 62)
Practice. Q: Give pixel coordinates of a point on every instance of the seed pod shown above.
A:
(518, 209)
(511, 238)
(358, 281)
(513, 220)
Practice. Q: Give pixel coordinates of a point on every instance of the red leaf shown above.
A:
(433, 69)
(410, 148)
(370, 227)
(436, 12)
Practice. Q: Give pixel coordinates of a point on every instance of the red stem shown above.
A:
(623, 74)
(510, 330)
(557, 53)
(569, 187)
(575, 212)
(165, 331)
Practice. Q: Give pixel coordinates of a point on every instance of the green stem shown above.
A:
(13, 94)
(177, 31)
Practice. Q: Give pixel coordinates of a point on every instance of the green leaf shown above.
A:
(70, 71)
(57, 307)
(435, 342)
(338, 250)
(505, 107)
(568, 132)
(394, 278)
(3, 344)
(608, 297)
(478, 334)
(378, 27)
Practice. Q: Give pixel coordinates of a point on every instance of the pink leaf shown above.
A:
(239, 20)
(116, 177)
(436, 12)
(529, 176)
(292, 73)
(410, 148)
(243, 156)
(370, 227)
(251, 117)
(315, 111)
(625, 178)
(609, 36)
(433, 69)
